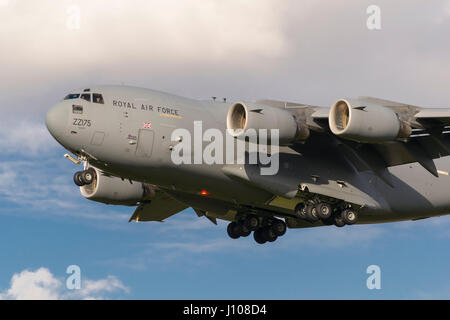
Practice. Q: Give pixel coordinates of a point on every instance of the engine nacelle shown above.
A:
(366, 122)
(243, 116)
(113, 190)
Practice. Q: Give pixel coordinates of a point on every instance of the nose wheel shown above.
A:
(82, 178)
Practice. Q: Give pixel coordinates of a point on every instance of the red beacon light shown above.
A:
(204, 193)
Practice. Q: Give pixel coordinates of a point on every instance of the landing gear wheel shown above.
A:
(244, 231)
(77, 178)
(88, 175)
(251, 223)
(268, 234)
(258, 236)
(300, 210)
(349, 216)
(311, 213)
(233, 230)
(338, 221)
(329, 221)
(278, 228)
(324, 210)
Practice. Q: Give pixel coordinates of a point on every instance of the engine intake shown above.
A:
(112, 190)
(244, 116)
(365, 122)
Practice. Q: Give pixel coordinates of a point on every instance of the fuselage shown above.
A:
(129, 133)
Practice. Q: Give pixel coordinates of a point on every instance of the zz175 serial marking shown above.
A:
(81, 122)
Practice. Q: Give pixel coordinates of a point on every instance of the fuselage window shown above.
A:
(97, 98)
(72, 96)
(86, 96)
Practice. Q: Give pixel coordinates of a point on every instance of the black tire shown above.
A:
(233, 230)
(244, 231)
(279, 228)
(258, 236)
(329, 221)
(338, 221)
(252, 223)
(300, 210)
(311, 213)
(88, 176)
(349, 216)
(324, 210)
(77, 178)
(268, 234)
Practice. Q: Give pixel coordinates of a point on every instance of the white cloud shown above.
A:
(43, 285)
(310, 51)
(35, 183)
(4, 3)
(46, 186)
(25, 138)
(191, 222)
(147, 32)
(94, 289)
(32, 285)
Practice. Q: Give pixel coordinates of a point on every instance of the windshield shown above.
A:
(72, 96)
(86, 96)
(97, 98)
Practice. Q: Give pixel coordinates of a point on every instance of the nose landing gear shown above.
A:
(82, 178)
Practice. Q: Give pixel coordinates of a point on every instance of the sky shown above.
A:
(313, 52)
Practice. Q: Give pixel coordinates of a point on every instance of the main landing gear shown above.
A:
(314, 212)
(82, 178)
(264, 229)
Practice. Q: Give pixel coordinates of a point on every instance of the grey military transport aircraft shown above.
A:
(364, 160)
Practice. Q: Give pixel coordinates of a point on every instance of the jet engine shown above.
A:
(112, 190)
(366, 122)
(244, 116)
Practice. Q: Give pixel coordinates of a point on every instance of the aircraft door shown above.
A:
(145, 143)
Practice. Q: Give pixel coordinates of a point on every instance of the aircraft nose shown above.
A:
(56, 120)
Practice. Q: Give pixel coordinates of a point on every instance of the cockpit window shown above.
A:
(86, 96)
(97, 98)
(72, 96)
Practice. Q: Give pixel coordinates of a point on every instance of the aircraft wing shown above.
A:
(158, 208)
(434, 116)
(430, 138)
